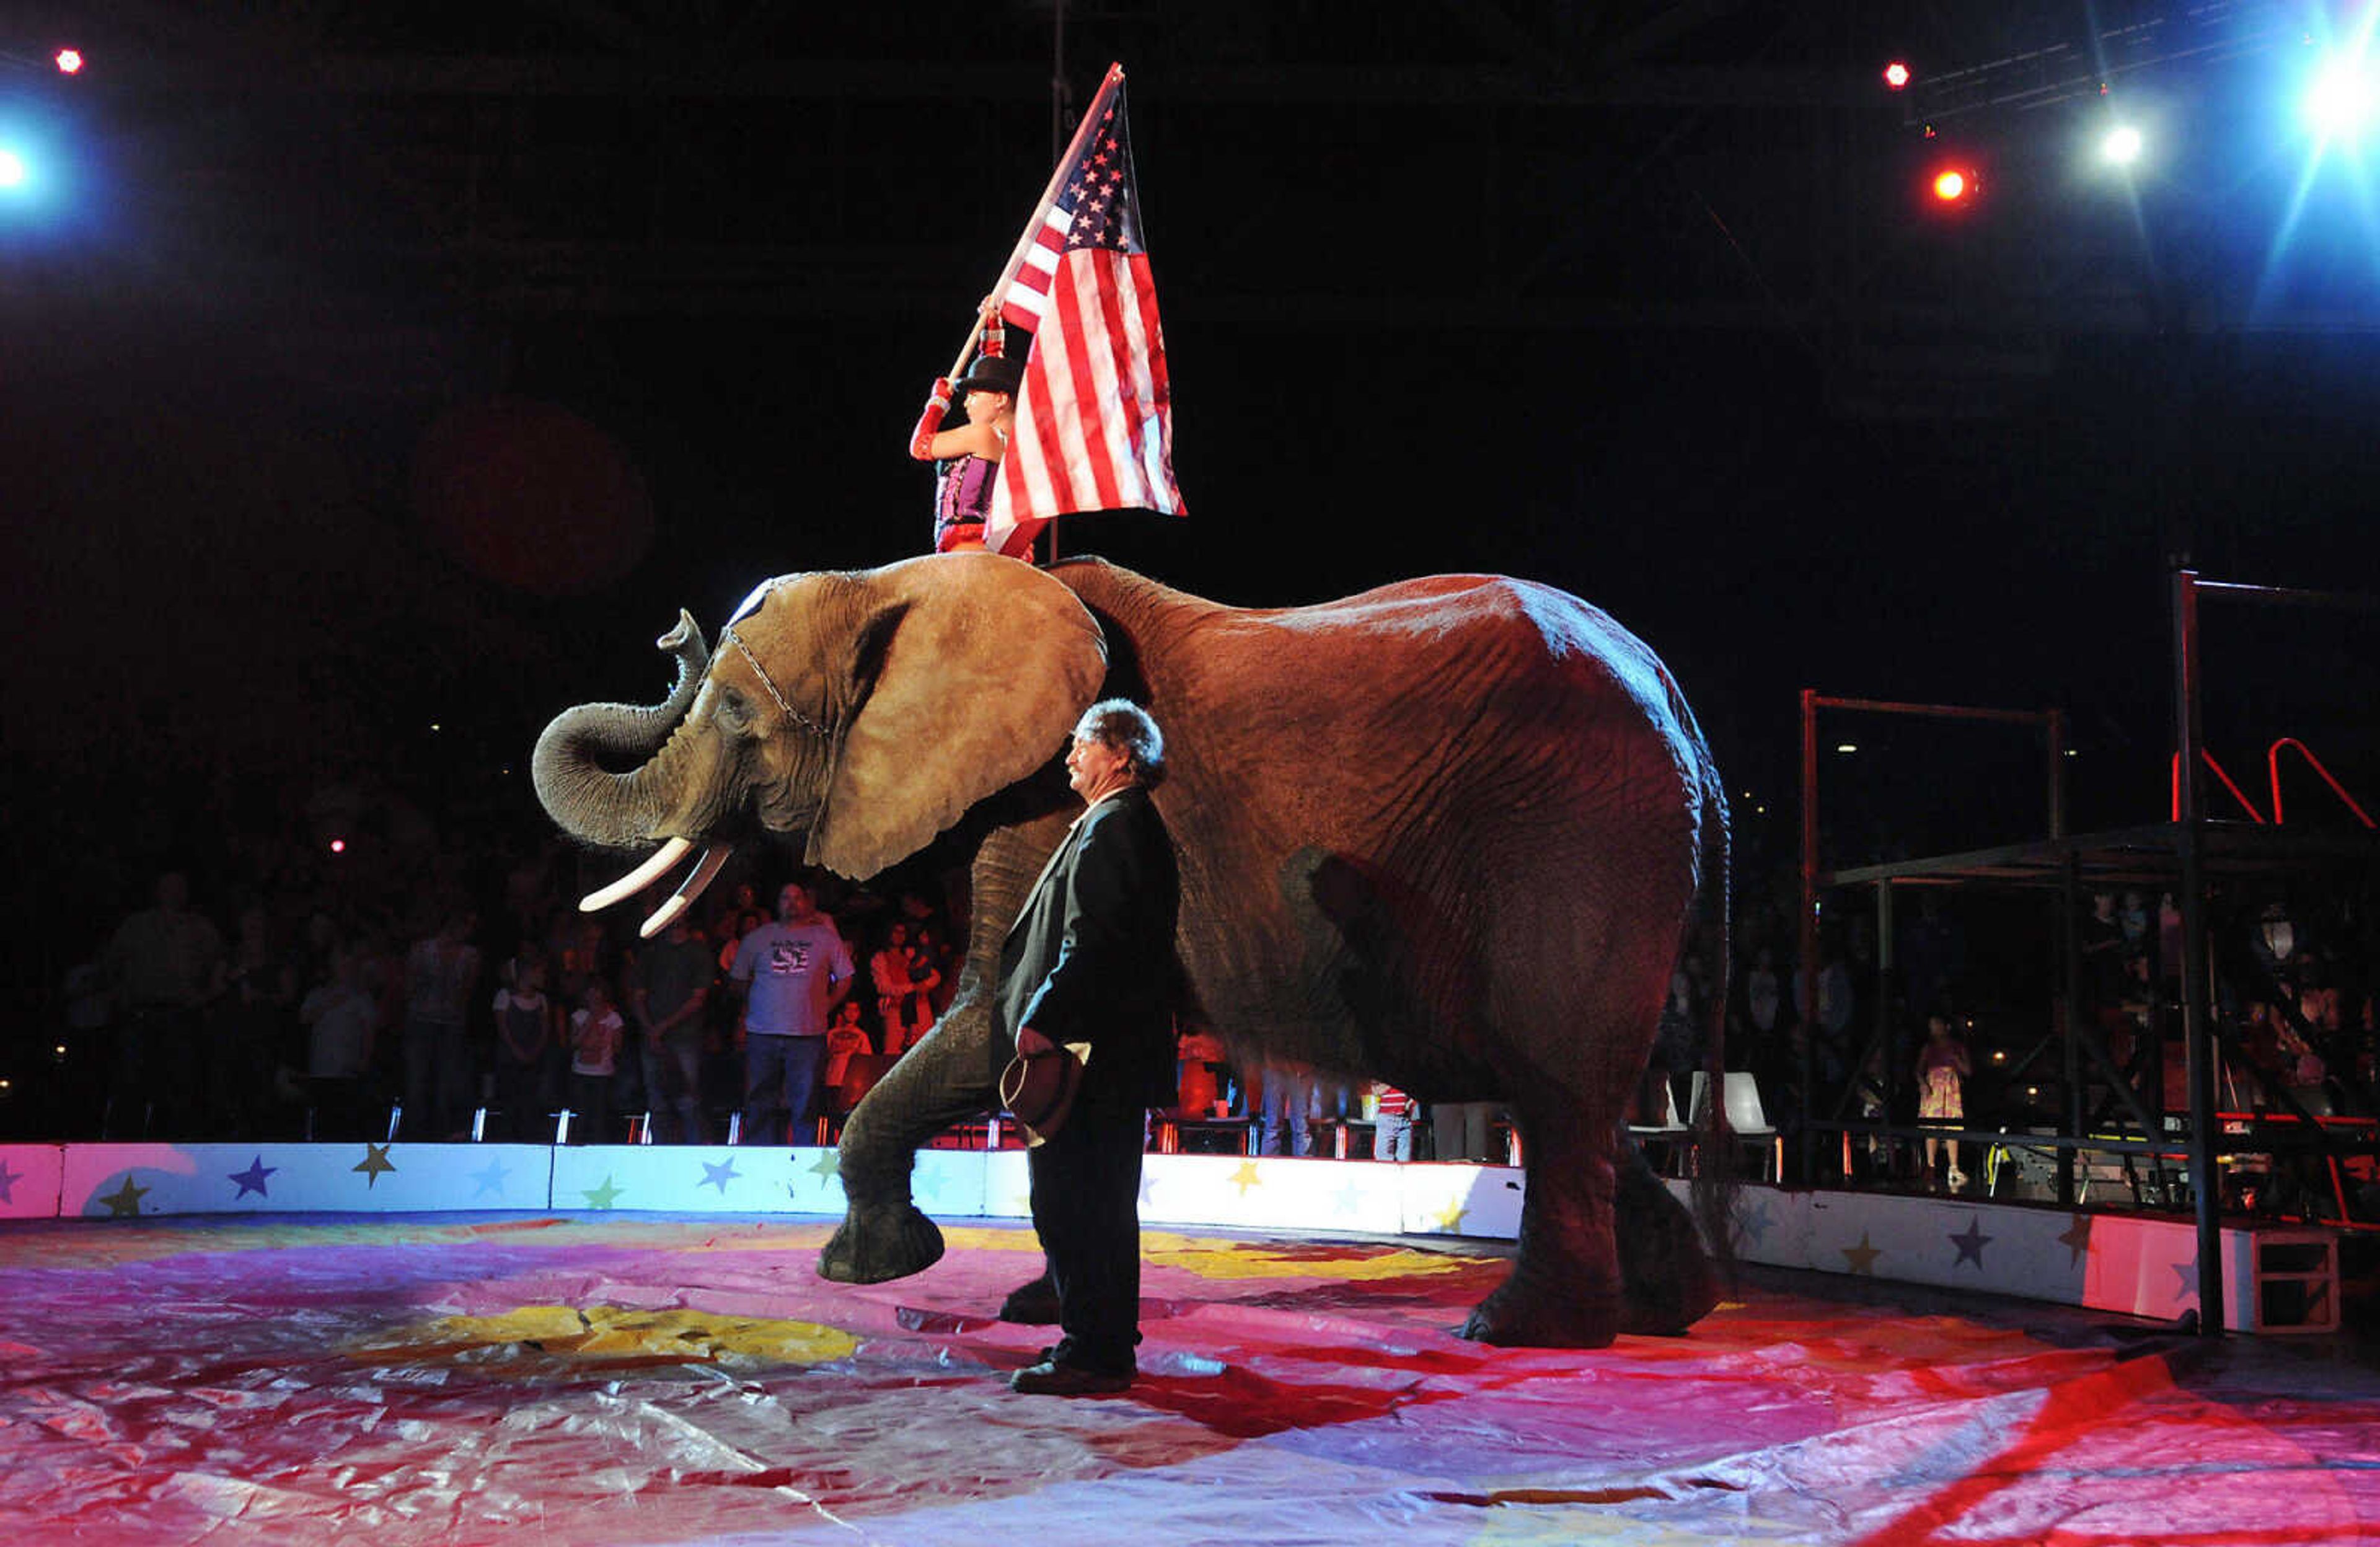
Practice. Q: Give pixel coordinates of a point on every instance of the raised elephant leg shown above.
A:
(1565, 1290)
(1666, 1277)
(946, 1078)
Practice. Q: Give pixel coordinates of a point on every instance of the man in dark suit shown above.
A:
(1090, 961)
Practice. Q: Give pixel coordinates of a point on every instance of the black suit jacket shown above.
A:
(1090, 957)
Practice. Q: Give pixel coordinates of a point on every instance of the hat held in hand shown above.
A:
(1039, 1090)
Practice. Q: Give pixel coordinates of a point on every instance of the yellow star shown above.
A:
(600, 1198)
(125, 1202)
(1862, 1256)
(829, 1163)
(1247, 1177)
(1450, 1219)
(374, 1164)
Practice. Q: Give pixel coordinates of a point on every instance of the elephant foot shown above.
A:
(878, 1244)
(1032, 1305)
(1516, 1316)
(1690, 1295)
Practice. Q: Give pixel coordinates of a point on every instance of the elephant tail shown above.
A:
(1714, 1188)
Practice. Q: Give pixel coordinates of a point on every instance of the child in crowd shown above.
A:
(1942, 1070)
(596, 1033)
(525, 1030)
(845, 1037)
(1392, 1122)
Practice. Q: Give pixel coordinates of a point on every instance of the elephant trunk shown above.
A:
(601, 769)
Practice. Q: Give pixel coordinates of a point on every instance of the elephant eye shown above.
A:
(735, 710)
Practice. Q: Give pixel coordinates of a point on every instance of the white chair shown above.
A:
(1745, 1116)
(1665, 1133)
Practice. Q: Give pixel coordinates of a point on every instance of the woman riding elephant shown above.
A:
(1449, 834)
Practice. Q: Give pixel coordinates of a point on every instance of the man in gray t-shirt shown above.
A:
(791, 973)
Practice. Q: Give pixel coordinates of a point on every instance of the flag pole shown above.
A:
(1041, 211)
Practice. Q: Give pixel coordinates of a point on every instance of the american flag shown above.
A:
(1095, 416)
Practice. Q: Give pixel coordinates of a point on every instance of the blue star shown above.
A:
(1970, 1245)
(253, 1179)
(1754, 1223)
(718, 1176)
(490, 1182)
(1349, 1200)
(8, 1180)
(2189, 1273)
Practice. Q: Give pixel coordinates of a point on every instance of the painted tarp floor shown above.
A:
(592, 1379)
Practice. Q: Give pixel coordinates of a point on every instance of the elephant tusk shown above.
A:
(636, 880)
(704, 872)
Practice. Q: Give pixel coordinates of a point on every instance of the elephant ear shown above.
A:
(970, 670)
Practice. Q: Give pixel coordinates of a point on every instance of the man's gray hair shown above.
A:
(1124, 725)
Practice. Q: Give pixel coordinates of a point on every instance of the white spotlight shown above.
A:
(2339, 103)
(12, 168)
(2123, 146)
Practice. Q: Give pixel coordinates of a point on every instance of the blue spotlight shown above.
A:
(13, 173)
(2122, 146)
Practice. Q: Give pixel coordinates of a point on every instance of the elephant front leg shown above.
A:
(944, 1079)
(1565, 1291)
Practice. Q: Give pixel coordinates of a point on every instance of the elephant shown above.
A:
(1452, 833)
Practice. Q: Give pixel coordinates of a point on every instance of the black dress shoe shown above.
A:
(1032, 1305)
(1051, 1379)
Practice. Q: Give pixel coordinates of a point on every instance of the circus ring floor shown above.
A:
(586, 1378)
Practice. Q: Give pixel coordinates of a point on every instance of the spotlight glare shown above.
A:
(2339, 103)
(68, 61)
(1896, 75)
(1950, 184)
(339, 845)
(2123, 146)
(13, 171)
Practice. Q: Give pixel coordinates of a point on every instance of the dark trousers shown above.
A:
(775, 1065)
(1087, 1207)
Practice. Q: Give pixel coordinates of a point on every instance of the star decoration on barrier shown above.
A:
(2077, 1239)
(2189, 1273)
(1349, 1200)
(374, 1166)
(1450, 1219)
(1247, 1177)
(1753, 1224)
(490, 1182)
(718, 1176)
(1970, 1245)
(1147, 1189)
(124, 1201)
(8, 1180)
(602, 1197)
(1862, 1257)
(253, 1179)
(829, 1166)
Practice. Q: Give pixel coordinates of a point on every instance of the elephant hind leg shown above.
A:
(1666, 1276)
(1566, 1289)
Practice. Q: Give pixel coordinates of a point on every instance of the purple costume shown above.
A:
(962, 500)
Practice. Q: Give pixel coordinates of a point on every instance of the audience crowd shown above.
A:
(275, 994)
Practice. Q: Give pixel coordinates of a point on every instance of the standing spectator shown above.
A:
(1285, 1101)
(668, 987)
(163, 965)
(341, 1014)
(596, 1033)
(1942, 1069)
(1391, 1122)
(791, 974)
(905, 979)
(1461, 1130)
(527, 1027)
(439, 974)
(253, 1031)
(844, 1038)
